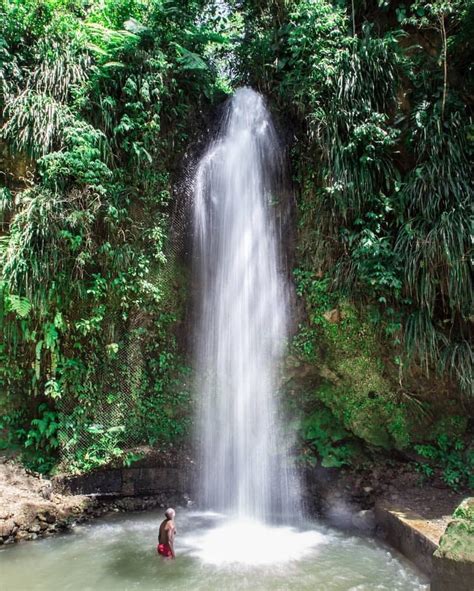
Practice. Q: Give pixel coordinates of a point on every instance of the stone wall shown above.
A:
(128, 482)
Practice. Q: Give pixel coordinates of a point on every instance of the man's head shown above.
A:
(170, 513)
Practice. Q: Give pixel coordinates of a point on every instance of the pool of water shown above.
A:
(118, 553)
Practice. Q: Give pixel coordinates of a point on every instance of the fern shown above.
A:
(21, 306)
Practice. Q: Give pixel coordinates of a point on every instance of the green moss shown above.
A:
(362, 393)
(379, 421)
(359, 382)
(351, 335)
(363, 398)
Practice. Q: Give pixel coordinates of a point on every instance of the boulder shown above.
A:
(364, 520)
(22, 535)
(35, 528)
(333, 316)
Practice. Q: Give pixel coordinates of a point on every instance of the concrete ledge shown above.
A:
(412, 535)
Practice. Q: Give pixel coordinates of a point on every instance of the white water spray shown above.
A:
(243, 317)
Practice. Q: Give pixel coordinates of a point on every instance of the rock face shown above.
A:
(453, 561)
(364, 520)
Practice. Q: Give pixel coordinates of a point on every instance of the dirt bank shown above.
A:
(30, 509)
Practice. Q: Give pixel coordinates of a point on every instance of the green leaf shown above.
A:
(190, 60)
(21, 306)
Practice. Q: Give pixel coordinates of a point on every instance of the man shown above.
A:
(166, 536)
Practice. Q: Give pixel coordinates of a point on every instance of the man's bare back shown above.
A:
(167, 530)
(166, 535)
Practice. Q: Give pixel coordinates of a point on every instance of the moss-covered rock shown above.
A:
(457, 542)
(453, 561)
(362, 397)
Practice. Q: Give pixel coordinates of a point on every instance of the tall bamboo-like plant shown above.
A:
(383, 162)
(434, 242)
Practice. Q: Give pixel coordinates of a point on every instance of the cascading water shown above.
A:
(243, 316)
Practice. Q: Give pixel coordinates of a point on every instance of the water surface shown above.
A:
(118, 553)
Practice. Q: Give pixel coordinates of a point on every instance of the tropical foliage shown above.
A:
(100, 103)
(382, 158)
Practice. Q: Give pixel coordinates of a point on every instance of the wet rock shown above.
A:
(364, 520)
(35, 528)
(339, 514)
(6, 528)
(130, 504)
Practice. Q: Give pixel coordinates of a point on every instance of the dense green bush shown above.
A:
(327, 439)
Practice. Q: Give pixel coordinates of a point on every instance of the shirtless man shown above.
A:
(166, 536)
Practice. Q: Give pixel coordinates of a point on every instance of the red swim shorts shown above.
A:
(164, 550)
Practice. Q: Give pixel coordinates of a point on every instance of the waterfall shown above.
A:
(243, 317)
